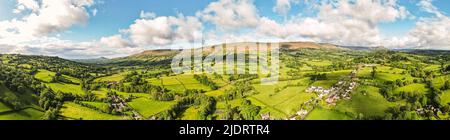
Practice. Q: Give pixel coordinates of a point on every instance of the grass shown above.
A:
(148, 107)
(44, 75)
(4, 108)
(190, 114)
(283, 100)
(412, 88)
(445, 97)
(325, 114)
(67, 88)
(74, 111)
(319, 63)
(101, 93)
(372, 104)
(114, 77)
(25, 114)
(26, 98)
(324, 83)
(99, 105)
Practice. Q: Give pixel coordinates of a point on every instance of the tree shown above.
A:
(249, 111)
(51, 114)
(374, 72)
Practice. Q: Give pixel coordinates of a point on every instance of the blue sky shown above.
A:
(120, 22)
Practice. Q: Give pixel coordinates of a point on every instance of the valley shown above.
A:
(316, 82)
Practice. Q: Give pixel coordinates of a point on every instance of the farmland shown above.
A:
(314, 84)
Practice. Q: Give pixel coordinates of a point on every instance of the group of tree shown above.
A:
(318, 76)
(203, 79)
(177, 109)
(206, 107)
(60, 78)
(239, 89)
(246, 111)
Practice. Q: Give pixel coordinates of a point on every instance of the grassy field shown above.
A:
(74, 111)
(114, 77)
(99, 105)
(324, 114)
(412, 88)
(190, 114)
(148, 107)
(25, 114)
(372, 104)
(445, 97)
(101, 93)
(68, 88)
(44, 75)
(319, 63)
(27, 98)
(4, 108)
(287, 100)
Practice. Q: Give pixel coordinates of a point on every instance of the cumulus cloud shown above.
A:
(48, 16)
(342, 22)
(428, 33)
(147, 15)
(164, 30)
(23, 5)
(282, 7)
(231, 14)
(115, 41)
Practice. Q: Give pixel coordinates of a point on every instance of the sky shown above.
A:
(115, 28)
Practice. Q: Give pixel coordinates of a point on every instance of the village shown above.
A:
(341, 90)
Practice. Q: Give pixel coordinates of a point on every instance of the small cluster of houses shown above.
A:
(422, 111)
(335, 93)
(120, 105)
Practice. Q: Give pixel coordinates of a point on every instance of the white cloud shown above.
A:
(115, 41)
(147, 15)
(94, 12)
(49, 16)
(343, 22)
(164, 30)
(22, 5)
(231, 14)
(282, 7)
(429, 33)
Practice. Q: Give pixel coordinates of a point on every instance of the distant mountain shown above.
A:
(167, 53)
(362, 48)
(100, 60)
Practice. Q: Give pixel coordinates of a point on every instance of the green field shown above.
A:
(324, 114)
(74, 111)
(114, 77)
(445, 97)
(4, 108)
(190, 114)
(148, 107)
(67, 88)
(25, 114)
(412, 88)
(372, 104)
(44, 75)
